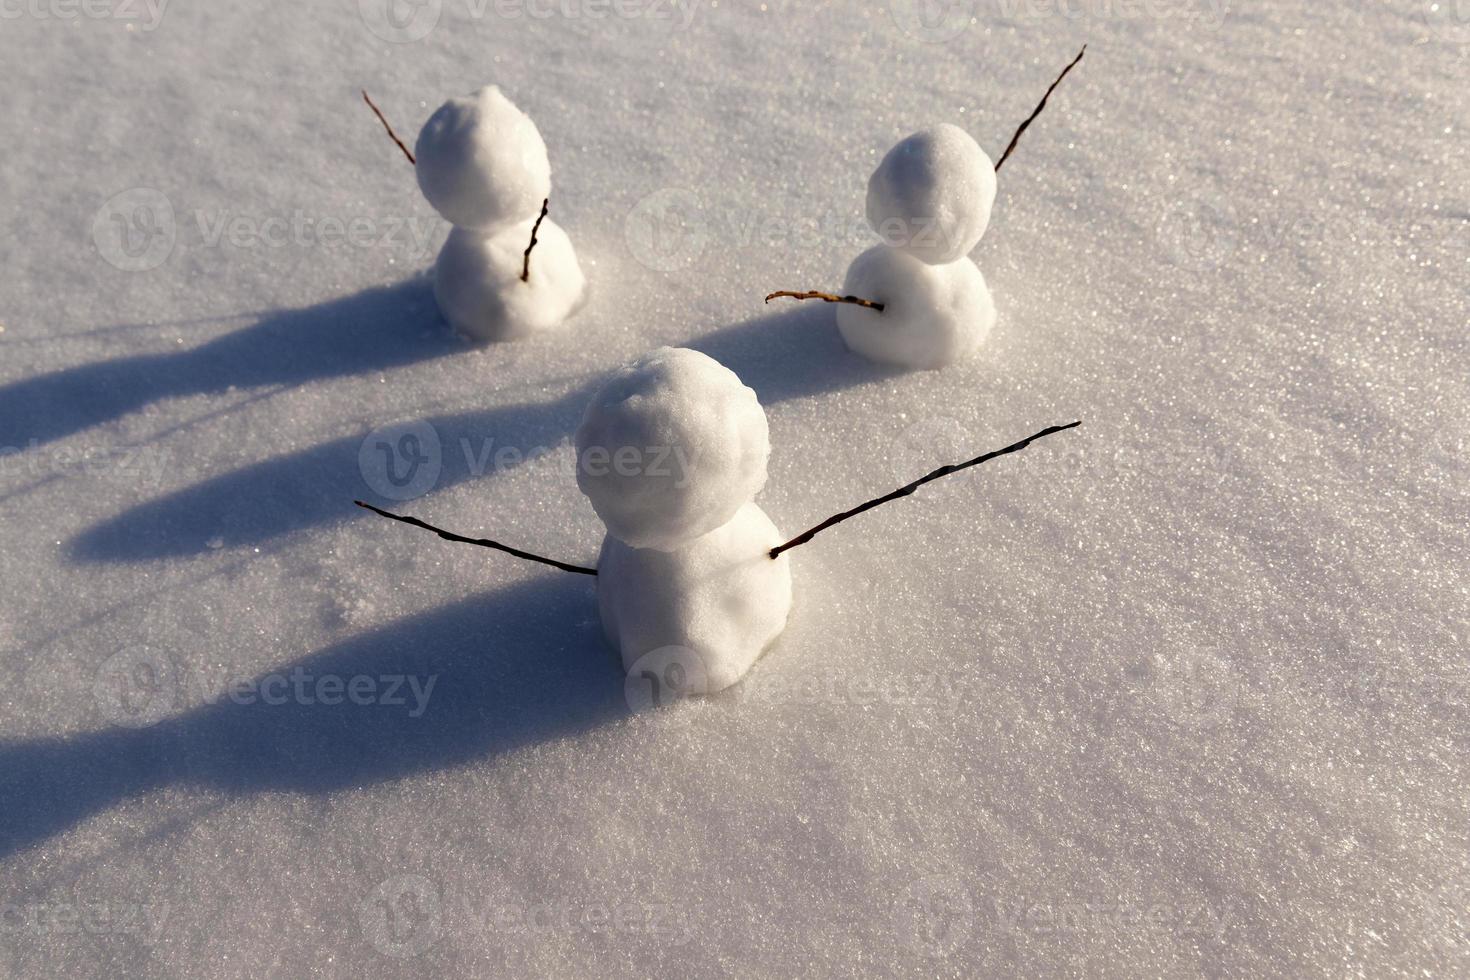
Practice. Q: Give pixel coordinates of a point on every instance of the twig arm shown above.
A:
(526, 261)
(826, 298)
(904, 491)
(1039, 106)
(482, 542)
(384, 120)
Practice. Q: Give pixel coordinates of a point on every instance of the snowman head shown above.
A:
(670, 448)
(932, 194)
(482, 163)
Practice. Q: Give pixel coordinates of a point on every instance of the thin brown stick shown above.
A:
(526, 262)
(904, 491)
(482, 542)
(831, 298)
(827, 298)
(384, 120)
(1039, 106)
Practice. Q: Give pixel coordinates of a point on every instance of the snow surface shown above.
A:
(1180, 692)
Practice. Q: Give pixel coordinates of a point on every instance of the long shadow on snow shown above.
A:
(520, 665)
(373, 330)
(792, 354)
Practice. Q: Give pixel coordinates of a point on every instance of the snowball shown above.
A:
(670, 448)
(721, 596)
(477, 281)
(481, 162)
(931, 196)
(932, 314)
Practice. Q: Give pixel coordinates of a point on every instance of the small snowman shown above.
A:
(482, 164)
(917, 300)
(930, 201)
(671, 453)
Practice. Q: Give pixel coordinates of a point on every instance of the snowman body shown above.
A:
(720, 595)
(482, 164)
(477, 281)
(671, 453)
(930, 202)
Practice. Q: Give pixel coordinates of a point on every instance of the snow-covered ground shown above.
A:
(1181, 692)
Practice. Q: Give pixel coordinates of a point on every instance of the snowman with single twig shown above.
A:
(916, 300)
(482, 164)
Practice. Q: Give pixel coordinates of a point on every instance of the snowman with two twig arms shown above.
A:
(672, 452)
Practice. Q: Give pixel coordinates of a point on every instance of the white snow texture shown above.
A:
(1178, 693)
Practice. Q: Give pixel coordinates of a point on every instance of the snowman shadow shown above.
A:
(518, 666)
(316, 486)
(373, 330)
(792, 354)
